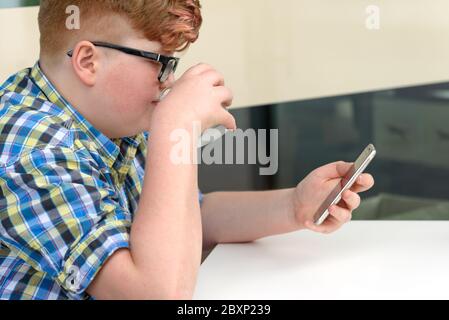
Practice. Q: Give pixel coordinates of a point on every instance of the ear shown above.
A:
(85, 62)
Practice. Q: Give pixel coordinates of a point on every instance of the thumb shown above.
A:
(228, 121)
(337, 169)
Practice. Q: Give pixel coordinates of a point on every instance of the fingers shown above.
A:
(330, 225)
(338, 216)
(334, 170)
(214, 77)
(323, 228)
(351, 199)
(320, 229)
(224, 95)
(363, 183)
(208, 73)
(340, 169)
(211, 76)
(341, 215)
(212, 82)
(229, 121)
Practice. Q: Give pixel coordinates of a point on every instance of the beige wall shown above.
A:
(19, 47)
(281, 50)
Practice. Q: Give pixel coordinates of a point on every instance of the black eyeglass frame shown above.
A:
(169, 64)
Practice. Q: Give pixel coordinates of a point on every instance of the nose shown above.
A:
(169, 82)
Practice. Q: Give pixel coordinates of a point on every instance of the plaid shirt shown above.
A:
(67, 192)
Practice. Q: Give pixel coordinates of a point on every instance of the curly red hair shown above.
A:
(173, 23)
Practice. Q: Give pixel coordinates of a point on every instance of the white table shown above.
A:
(363, 260)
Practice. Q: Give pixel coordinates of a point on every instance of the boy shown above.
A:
(91, 206)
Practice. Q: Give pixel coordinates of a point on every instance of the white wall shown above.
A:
(281, 50)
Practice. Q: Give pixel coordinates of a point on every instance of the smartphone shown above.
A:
(335, 196)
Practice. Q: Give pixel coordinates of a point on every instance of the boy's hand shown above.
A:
(199, 95)
(315, 188)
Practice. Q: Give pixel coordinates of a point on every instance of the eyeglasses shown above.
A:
(169, 64)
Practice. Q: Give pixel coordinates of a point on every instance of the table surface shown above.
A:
(363, 260)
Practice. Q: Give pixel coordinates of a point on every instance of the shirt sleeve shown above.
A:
(59, 214)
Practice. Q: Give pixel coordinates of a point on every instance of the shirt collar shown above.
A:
(108, 148)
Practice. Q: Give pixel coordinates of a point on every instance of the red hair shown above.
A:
(173, 23)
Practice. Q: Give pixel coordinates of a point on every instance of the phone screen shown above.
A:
(335, 196)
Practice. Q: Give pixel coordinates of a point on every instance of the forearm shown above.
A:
(246, 216)
(166, 234)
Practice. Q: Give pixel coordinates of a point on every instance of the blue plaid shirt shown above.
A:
(67, 192)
